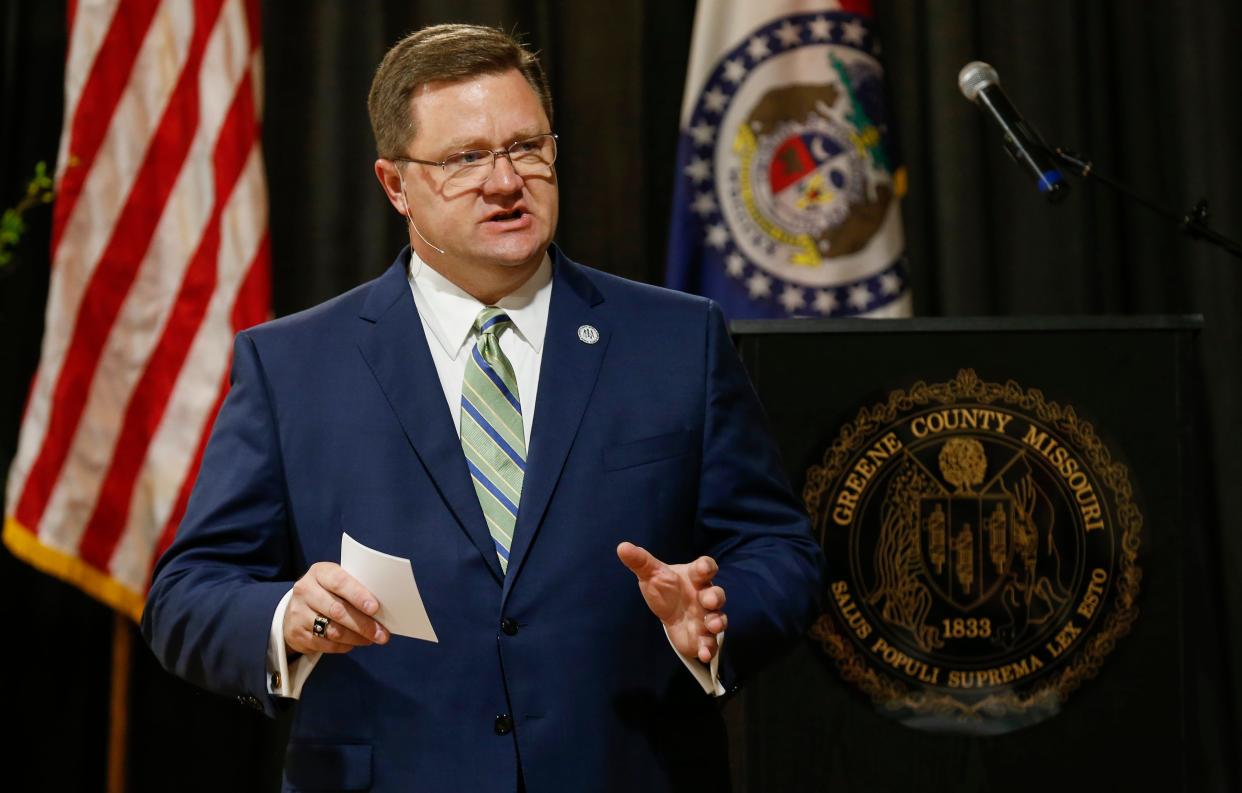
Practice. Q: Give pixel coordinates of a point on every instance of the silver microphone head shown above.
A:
(974, 77)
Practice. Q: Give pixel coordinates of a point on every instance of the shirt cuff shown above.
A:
(285, 678)
(707, 675)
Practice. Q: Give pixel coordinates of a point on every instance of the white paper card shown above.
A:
(391, 579)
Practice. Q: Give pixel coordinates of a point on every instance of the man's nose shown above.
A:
(504, 178)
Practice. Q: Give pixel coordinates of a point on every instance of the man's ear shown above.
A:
(390, 181)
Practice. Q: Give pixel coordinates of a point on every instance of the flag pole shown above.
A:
(118, 732)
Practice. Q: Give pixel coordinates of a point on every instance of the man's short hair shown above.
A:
(442, 52)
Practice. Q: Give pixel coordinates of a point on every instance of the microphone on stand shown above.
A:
(980, 84)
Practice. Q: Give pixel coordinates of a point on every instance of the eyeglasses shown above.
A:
(529, 157)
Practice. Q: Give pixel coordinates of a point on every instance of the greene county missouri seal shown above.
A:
(982, 554)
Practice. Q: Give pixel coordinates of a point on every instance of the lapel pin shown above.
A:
(587, 334)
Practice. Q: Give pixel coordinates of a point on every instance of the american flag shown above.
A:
(159, 256)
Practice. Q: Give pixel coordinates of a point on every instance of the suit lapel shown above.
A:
(395, 348)
(567, 376)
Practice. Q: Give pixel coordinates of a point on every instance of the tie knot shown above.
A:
(491, 320)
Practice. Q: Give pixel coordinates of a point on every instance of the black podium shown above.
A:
(1003, 505)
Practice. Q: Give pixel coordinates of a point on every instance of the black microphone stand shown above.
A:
(1193, 223)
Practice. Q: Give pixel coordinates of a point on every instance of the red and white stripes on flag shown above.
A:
(159, 256)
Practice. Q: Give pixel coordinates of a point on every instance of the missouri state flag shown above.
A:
(788, 193)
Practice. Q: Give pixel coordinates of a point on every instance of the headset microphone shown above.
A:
(409, 217)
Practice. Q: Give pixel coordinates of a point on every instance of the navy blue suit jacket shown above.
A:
(336, 422)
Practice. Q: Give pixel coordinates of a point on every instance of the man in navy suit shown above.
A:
(533, 435)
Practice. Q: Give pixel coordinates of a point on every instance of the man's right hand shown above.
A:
(327, 590)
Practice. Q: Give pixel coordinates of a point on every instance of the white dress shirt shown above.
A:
(448, 313)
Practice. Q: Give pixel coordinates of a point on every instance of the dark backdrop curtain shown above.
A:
(1149, 90)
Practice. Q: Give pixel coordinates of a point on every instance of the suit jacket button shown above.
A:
(509, 626)
(503, 725)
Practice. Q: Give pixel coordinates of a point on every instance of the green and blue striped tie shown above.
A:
(491, 430)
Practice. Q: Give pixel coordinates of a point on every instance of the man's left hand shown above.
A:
(683, 597)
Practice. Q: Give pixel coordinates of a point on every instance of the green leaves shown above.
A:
(41, 189)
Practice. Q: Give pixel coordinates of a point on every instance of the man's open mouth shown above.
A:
(515, 214)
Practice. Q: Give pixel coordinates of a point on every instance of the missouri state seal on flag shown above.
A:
(787, 197)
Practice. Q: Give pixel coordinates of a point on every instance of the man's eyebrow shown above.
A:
(455, 145)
